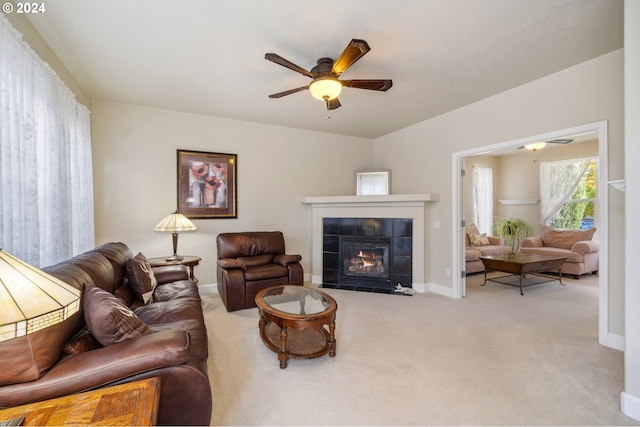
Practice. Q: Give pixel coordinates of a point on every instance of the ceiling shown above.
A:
(207, 57)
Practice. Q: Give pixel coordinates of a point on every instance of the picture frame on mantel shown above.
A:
(207, 184)
(373, 182)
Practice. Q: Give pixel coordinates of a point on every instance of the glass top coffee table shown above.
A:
(293, 322)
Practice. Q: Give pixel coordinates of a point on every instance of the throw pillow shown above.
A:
(83, 341)
(564, 239)
(479, 239)
(108, 319)
(471, 228)
(141, 278)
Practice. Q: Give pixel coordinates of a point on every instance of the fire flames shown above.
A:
(364, 263)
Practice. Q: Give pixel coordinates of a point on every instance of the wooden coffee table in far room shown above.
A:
(293, 319)
(520, 265)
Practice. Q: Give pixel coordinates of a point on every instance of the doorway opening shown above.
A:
(458, 256)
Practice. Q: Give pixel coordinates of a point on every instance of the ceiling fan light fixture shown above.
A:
(535, 146)
(325, 88)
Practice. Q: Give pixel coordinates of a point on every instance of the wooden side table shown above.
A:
(131, 404)
(188, 260)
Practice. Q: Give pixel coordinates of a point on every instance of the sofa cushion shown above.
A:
(108, 319)
(250, 261)
(252, 243)
(261, 272)
(564, 239)
(471, 255)
(571, 256)
(141, 278)
(478, 239)
(171, 311)
(117, 254)
(175, 290)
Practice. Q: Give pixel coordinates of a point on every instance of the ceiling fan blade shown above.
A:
(286, 63)
(288, 92)
(332, 104)
(381, 85)
(355, 50)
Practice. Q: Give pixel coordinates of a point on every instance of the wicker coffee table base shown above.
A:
(303, 344)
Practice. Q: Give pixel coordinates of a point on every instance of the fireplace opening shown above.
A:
(365, 260)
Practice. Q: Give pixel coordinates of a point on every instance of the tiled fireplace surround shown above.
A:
(408, 206)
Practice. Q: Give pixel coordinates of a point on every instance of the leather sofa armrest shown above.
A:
(284, 259)
(230, 263)
(586, 246)
(496, 241)
(102, 366)
(170, 273)
(532, 242)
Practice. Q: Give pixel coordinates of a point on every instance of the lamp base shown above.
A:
(175, 257)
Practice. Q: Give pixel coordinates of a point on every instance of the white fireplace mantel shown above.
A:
(391, 198)
(390, 206)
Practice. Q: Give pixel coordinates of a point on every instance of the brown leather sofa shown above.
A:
(176, 350)
(251, 261)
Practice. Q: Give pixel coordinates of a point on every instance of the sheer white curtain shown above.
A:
(46, 186)
(482, 195)
(558, 181)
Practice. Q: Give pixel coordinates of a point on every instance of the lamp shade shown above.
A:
(31, 299)
(536, 146)
(175, 223)
(325, 88)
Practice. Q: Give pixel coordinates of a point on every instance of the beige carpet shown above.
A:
(492, 358)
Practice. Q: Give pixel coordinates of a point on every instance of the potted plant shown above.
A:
(512, 230)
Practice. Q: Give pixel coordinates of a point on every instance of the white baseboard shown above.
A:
(630, 405)
(440, 290)
(315, 279)
(208, 289)
(614, 341)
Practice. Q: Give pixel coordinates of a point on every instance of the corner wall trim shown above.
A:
(630, 405)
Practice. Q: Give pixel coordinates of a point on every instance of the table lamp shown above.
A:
(175, 223)
(30, 299)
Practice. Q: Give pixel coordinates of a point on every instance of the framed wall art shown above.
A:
(207, 184)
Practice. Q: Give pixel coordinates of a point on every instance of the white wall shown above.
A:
(134, 150)
(631, 395)
(421, 155)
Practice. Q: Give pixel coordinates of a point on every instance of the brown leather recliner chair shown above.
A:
(251, 261)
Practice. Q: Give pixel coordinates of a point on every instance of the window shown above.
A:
(373, 182)
(568, 193)
(46, 178)
(483, 199)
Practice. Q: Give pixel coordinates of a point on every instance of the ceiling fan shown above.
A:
(325, 85)
(535, 146)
